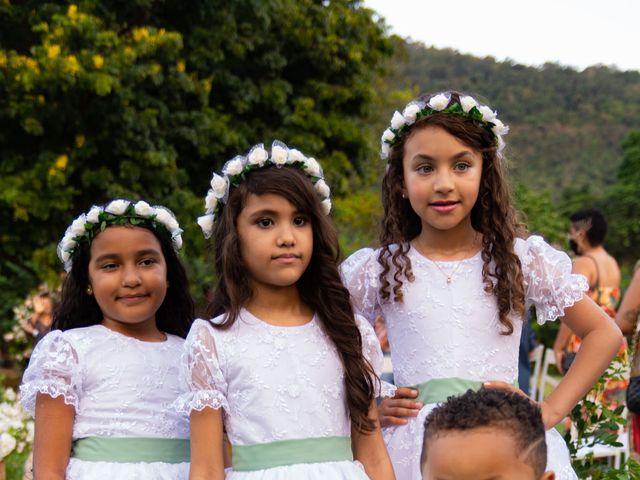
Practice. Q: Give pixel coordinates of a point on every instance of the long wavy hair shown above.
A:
(320, 285)
(493, 216)
(78, 309)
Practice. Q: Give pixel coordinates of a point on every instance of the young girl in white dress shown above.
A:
(453, 277)
(102, 381)
(284, 364)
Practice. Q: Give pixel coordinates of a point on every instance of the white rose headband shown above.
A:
(235, 170)
(441, 103)
(118, 212)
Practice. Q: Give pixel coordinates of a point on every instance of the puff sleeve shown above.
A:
(373, 353)
(53, 370)
(200, 372)
(549, 283)
(360, 276)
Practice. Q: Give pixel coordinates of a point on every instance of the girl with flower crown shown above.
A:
(284, 364)
(102, 381)
(454, 276)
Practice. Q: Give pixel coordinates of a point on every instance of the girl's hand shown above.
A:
(394, 410)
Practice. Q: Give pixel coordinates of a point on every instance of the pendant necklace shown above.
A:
(448, 276)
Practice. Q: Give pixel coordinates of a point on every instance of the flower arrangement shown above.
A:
(467, 107)
(235, 170)
(18, 341)
(16, 425)
(118, 212)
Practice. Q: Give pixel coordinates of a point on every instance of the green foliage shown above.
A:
(357, 218)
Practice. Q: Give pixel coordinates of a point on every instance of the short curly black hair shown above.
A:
(500, 409)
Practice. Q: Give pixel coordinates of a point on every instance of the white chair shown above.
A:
(536, 368)
(546, 378)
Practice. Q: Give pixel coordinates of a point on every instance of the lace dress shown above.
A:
(452, 330)
(278, 386)
(119, 387)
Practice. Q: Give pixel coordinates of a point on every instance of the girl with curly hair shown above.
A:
(454, 276)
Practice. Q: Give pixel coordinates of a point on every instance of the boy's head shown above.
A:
(488, 434)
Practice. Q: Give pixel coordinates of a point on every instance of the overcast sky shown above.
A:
(576, 33)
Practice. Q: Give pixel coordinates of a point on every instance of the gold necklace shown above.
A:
(448, 276)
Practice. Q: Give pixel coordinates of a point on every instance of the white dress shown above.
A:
(119, 387)
(275, 384)
(452, 330)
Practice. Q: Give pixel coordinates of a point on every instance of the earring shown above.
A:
(89, 290)
(404, 196)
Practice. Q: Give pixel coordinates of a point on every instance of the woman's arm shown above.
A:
(630, 306)
(53, 436)
(601, 340)
(207, 457)
(369, 449)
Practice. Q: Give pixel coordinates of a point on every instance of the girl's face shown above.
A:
(128, 275)
(276, 240)
(441, 178)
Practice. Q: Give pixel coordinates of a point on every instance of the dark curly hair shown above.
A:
(500, 409)
(320, 286)
(493, 216)
(77, 309)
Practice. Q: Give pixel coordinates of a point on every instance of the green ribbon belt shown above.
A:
(131, 449)
(438, 390)
(259, 456)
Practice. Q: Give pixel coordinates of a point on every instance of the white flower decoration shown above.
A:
(211, 201)
(312, 167)
(279, 155)
(499, 128)
(233, 167)
(219, 185)
(164, 216)
(77, 227)
(326, 206)
(439, 102)
(487, 114)
(397, 121)
(410, 113)
(143, 209)
(177, 241)
(257, 156)
(296, 156)
(388, 135)
(117, 207)
(385, 148)
(206, 224)
(93, 215)
(322, 188)
(467, 103)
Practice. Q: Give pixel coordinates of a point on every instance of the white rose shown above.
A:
(487, 114)
(499, 128)
(177, 242)
(164, 216)
(296, 156)
(77, 227)
(117, 207)
(93, 215)
(467, 103)
(439, 102)
(206, 224)
(312, 167)
(397, 121)
(258, 156)
(219, 185)
(64, 255)
(385, 148)
(278, 155)
(143, 209)
(211, 201)
(388, 135)
(233, 167)
(326, 206)
(7, 444)
(410, 112)
(323, 189)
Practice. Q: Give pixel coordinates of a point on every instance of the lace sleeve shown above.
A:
(549, 283)
(373, 353)
(360, 276)
(53, 370)
(200, 372)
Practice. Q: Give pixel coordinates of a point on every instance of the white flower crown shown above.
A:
(118, 212)
(441, 103)
(235, 170)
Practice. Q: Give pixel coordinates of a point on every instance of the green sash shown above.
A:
(290, 452)
(131, 449)
(438, 390)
